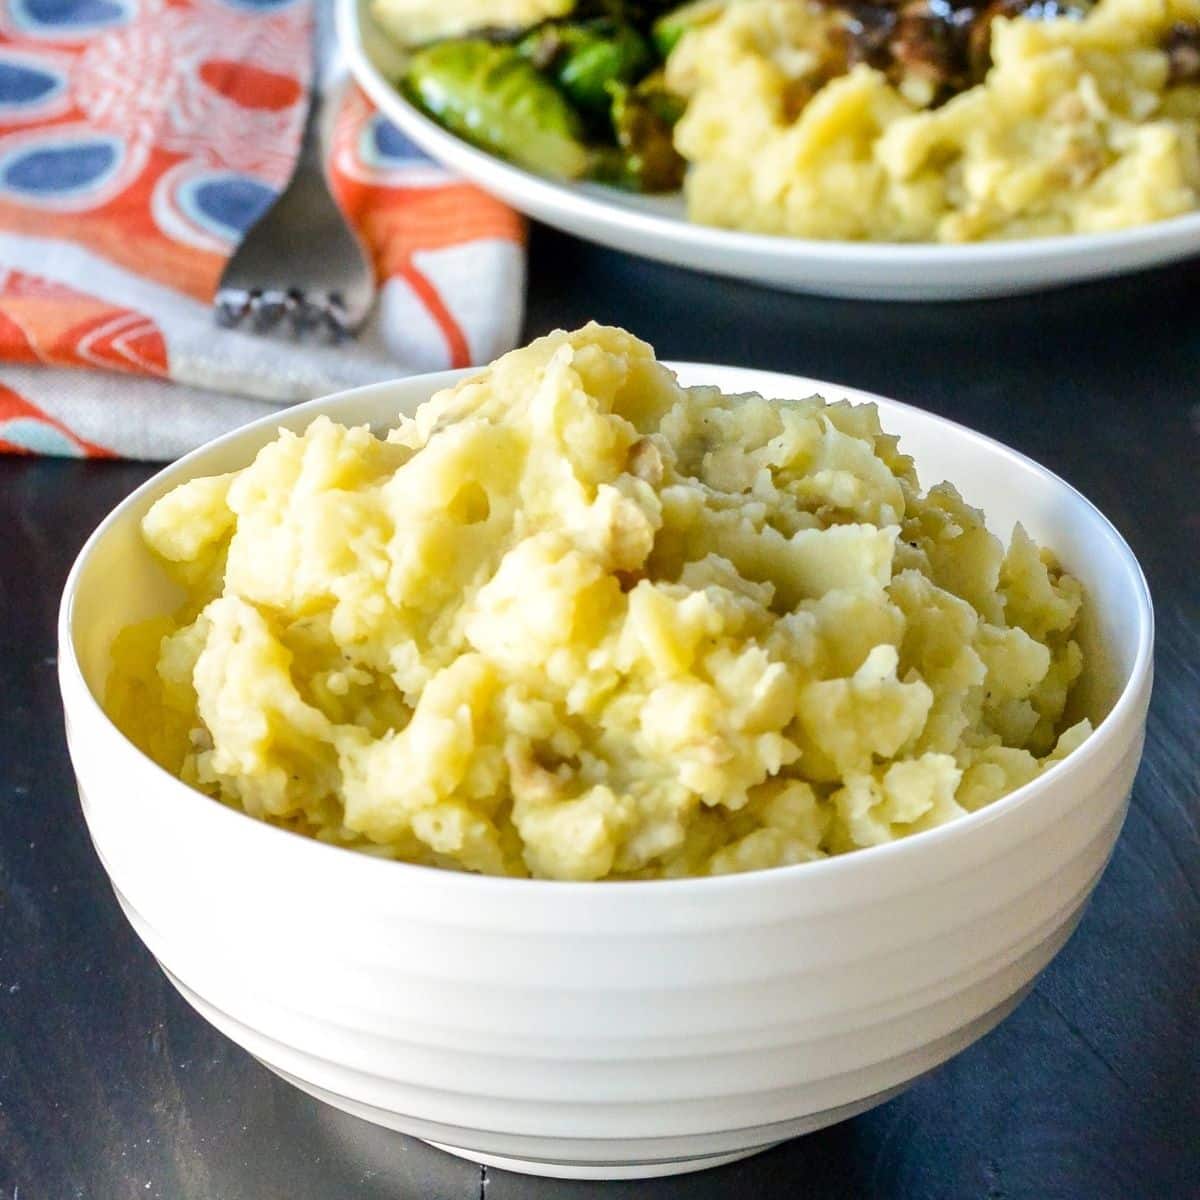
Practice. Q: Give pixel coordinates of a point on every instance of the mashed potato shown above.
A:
(414, 22)
(575, 621)
(1074, 130)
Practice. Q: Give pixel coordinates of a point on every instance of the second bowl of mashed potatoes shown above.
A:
(575, 621)
(1074, 118)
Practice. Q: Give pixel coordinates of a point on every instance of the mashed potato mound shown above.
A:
(1076, 129)
(413, 22)
(575, 621)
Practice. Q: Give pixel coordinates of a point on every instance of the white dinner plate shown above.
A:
(655, 226)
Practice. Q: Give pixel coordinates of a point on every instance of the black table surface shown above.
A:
(112, 1088)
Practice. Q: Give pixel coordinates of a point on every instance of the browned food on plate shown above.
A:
(945, 43)
(1182, 45)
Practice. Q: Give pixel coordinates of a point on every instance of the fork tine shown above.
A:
(266, 310)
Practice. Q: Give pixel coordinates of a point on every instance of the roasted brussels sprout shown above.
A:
(585, 57)
(645, 159)
(494, 97)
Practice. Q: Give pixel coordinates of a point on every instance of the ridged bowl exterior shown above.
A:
(607, 1028)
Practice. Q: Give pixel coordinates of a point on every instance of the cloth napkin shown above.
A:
(139, 141)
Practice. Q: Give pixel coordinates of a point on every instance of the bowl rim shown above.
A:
(71, 677)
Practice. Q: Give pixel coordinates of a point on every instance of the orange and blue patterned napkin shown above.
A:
(139, 141)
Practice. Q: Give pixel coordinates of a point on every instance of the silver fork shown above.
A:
(300, 270)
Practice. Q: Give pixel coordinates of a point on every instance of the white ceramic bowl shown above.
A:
(612, 1030)
(657, 226)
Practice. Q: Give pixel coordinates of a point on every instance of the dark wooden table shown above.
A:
(112, 1088)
